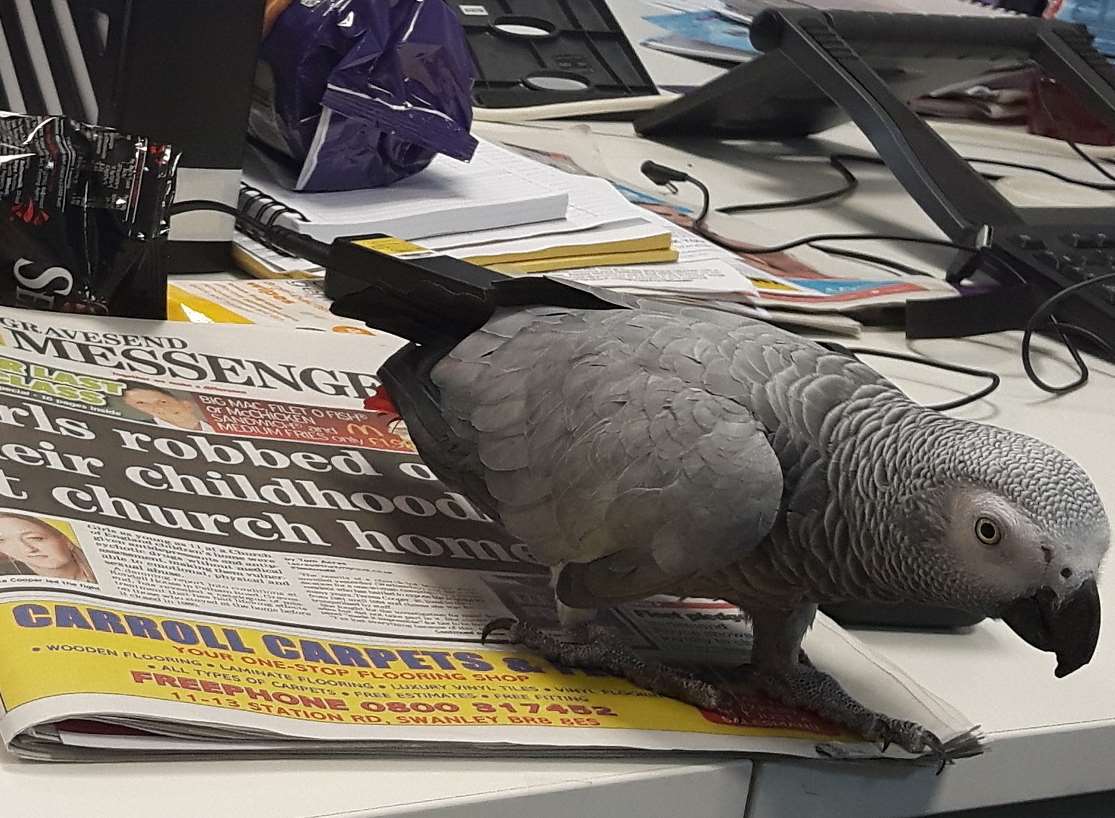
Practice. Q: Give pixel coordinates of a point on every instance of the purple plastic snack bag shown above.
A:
(362, 93)
(83, 217)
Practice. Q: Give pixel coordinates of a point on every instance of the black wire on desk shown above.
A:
(871, 258)
(851, 182)
(1091, 161)
(790, 245)
(660, 174)
(294, 243)
(993, 378)
(1045, 313)
(706, 199)
(977, 160)
(655, 172)
(204, 205)
(1051, 173)
(663, 175)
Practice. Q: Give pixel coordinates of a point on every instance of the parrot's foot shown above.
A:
(814, 690)
(599, 647)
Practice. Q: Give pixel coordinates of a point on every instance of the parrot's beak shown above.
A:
(1068, 627)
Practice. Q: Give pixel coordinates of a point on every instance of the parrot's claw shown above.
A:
(913, 738)
(807, 687)
(599, 647)
(594, 646)
(910, 736)
(504, 624)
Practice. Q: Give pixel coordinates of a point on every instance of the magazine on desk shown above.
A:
(219, 539)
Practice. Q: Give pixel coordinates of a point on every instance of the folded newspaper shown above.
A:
(219, 539)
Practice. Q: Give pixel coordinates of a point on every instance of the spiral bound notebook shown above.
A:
(498, 188)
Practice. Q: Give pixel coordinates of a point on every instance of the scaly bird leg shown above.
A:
(597, 646)
(780, 669)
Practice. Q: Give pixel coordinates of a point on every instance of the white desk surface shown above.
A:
(1051, 737)
(352, 788)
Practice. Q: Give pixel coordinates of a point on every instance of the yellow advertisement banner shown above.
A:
(53, 648)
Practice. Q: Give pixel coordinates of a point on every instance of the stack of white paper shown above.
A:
(593, 204)
(498, 188)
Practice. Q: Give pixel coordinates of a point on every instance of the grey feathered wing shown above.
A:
(583, 430)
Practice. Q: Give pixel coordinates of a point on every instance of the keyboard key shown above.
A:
(1047, 259)
(1081, 241)
(1028, 242)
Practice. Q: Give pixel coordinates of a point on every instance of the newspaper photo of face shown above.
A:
(42, 548)
(165, 408)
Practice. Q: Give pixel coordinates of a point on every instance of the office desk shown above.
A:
(1050, 737)
(355, 788)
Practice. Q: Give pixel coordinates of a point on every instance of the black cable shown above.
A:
(664, 175)
(1087, 334)
(1051, 173)
(790, 245)
(1099, 168)
(1045, 312)
(1076, 148)
(839, 160)
(870, 258)
(194, 205)
(661, 174)
(706, 199)
(993, 378)
(291, 241)
(851, 182)
(1060, 328)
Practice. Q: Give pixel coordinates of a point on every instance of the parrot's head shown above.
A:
(1025, 530)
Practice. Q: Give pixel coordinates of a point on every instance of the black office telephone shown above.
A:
(821, 68)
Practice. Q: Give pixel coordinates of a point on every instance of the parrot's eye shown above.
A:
(988, 531)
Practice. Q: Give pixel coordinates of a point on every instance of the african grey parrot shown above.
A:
(642, 447)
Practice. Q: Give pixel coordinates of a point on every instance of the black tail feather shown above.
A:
(418, 321)
(438, 299)
(420, 296)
